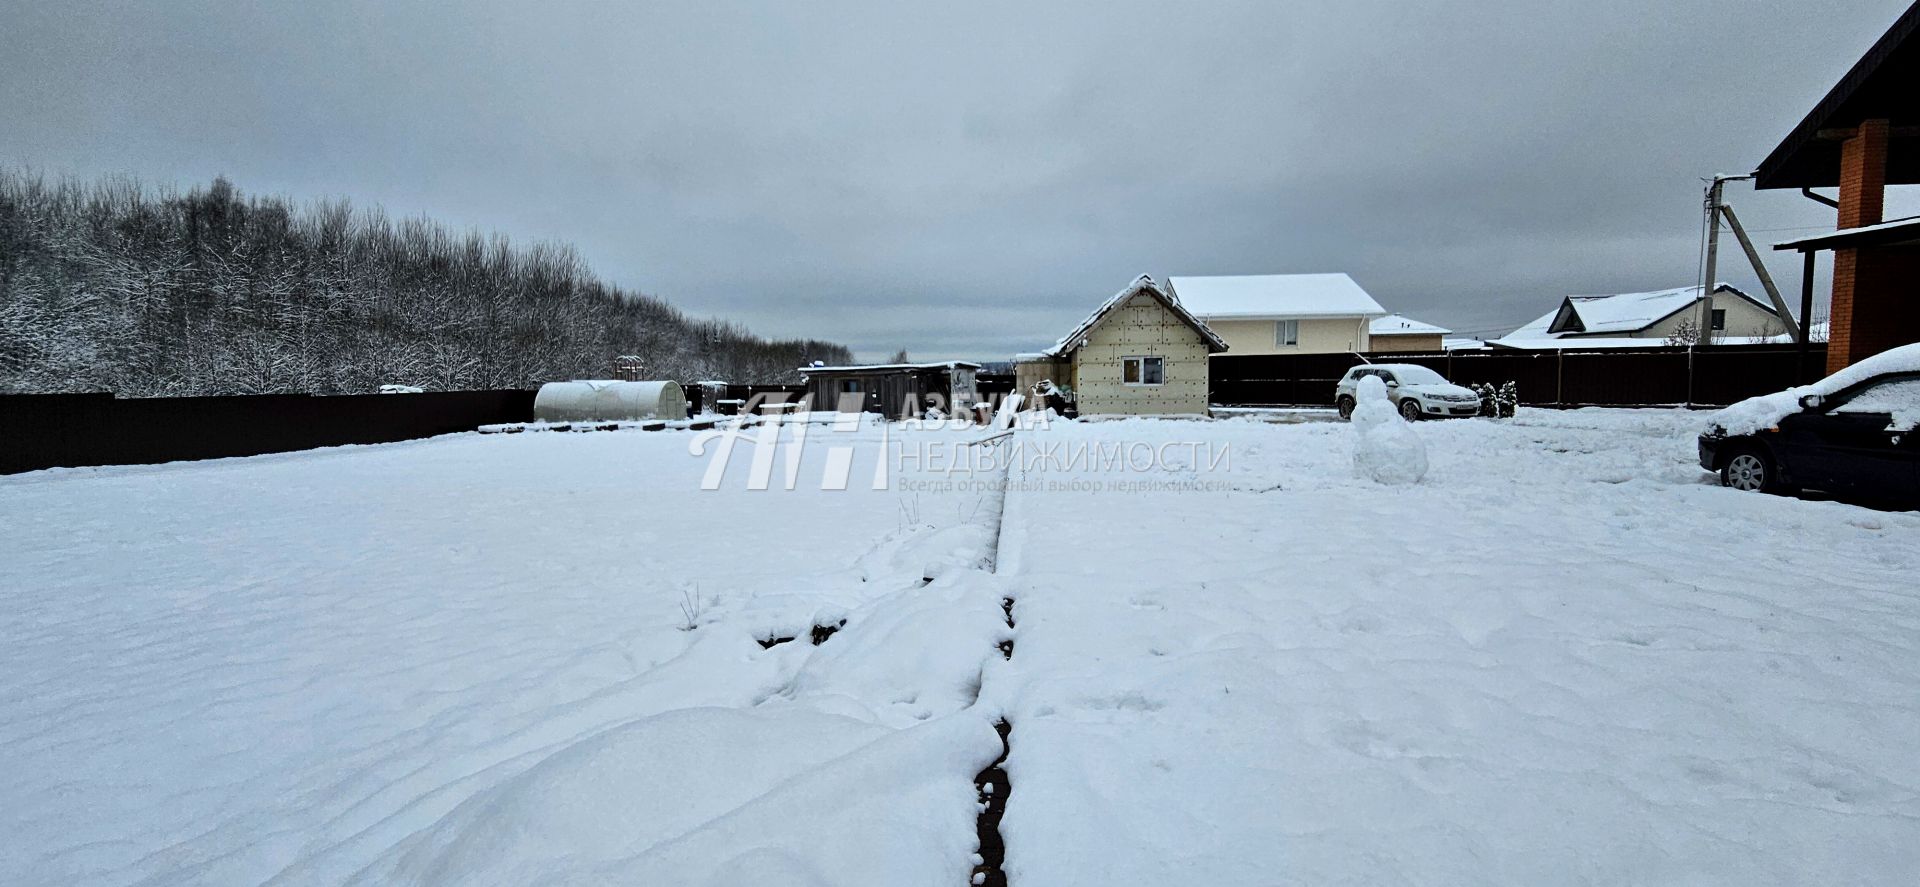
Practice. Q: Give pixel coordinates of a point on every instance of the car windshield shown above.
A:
(1899, 397)
(1410, 375)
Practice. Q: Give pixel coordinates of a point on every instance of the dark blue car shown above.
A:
(1859, 441)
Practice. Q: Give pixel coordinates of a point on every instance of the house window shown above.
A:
(1719, 319)
(1143, 370)
(1286, 332)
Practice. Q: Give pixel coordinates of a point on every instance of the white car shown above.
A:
(1417, 392)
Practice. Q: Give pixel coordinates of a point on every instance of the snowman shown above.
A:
(1384, 445)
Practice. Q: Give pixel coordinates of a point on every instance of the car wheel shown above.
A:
(1345, 405)
(1410, 409)
(1750, 470)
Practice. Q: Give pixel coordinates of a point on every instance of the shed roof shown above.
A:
(1141, 284)
(1275, 296)
(1402, 325)
(1899, 232)
(1880, 85)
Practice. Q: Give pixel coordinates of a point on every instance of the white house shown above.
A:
(1397, 333)
(1640, 320)
(1282, 313)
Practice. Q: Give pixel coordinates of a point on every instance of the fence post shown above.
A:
(1690, 403)
(1559, 375)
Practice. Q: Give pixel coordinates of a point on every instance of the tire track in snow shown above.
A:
(992, 783)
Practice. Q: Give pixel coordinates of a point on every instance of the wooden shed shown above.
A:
(894, 390)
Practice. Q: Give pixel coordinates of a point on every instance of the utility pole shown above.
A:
(1766, 279)
(1713, 259)
(1717, 207)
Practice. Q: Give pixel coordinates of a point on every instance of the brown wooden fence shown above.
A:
(75, 430)
(1712, 376)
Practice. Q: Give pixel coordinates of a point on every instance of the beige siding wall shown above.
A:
(1404, 344)
(1326, 335)
(1141, 327)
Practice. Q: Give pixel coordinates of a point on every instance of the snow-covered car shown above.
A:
(1854, 433)
(1417, 392)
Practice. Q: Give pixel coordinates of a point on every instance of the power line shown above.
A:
(1791, 228)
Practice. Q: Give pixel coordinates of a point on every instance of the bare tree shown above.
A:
(1765, 332)
(1685, 332)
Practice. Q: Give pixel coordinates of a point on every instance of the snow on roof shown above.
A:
(941, 365)
(1848, 233)
(1277, 296)
(1844, 235)
(1141, 284)
(1601, 343)
(1464, 343)
(1402, 325)
(1629, 312)
(1573, 343)
(1617, 313)
(1755, 413)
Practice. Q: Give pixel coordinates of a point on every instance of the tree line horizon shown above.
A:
(110, 285)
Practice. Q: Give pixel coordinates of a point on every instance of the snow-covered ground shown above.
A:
(1562, 657)
(464, 660)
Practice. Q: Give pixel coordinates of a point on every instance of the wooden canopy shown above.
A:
(1881, 86)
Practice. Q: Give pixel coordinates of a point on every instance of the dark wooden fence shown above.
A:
(74, 430)
(1713, 376)
(993, 386)
(990, 386)
(737, 397)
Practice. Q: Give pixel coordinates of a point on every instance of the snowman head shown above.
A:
(1370, 389)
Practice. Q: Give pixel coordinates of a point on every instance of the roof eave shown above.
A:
(1789, 164)
(1899, 232)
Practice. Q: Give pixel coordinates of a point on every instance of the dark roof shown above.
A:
(1881, 85)
(1900, 232)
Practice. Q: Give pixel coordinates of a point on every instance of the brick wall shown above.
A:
(1863, 179)
(1883, 301)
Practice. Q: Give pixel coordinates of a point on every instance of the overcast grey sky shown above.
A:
(968, 179)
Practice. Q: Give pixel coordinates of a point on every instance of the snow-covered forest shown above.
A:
(119, 287)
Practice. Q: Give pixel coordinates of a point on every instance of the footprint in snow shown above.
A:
(1129, 701)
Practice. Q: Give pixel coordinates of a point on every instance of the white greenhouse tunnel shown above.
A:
(607, 399)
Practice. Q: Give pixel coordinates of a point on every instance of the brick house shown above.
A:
(1864, 136)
